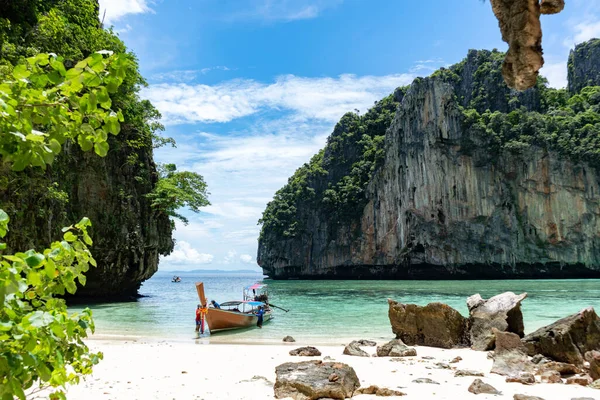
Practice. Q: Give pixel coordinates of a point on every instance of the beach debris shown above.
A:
(525, 378)
(353, 349)
(377, 391)
(480, 387)
(456, 359)
(595, 384)
(551, 377)
(184, 372)
(561, 368)
(425, 380)
(307, 351)
(258, 378)
(502, 312)
(582, 380)
(468, 372)
(567, 339)
(314, 380)
(441, 365)
(593, 358)
(526, 397)
(434, 325)
(583, 398)
(428, 358)
(289, 339)
(395, 348)
(364, 342)
(510, 358)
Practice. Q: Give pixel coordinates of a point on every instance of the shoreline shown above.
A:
(140, 368)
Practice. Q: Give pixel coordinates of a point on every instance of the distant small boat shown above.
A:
(238, 313)
(176, 279)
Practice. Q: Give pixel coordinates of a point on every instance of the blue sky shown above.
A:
(250, 89)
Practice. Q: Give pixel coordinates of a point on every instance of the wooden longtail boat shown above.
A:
(235, 314)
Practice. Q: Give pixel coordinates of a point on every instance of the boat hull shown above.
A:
(222, 320)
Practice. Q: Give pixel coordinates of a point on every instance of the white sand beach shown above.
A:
(142, 369)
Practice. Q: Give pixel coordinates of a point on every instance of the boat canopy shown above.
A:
(238, 302)
(255, 286)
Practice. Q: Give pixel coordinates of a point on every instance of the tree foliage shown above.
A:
(44, 105)
(178, 189)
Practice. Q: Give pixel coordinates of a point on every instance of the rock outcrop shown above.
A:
(307, 351)
(435, 325)
(480, 387)
(501, 312)
(440, 204)
(315, 380)
(567, 339)
(353, 349)
(583, 67)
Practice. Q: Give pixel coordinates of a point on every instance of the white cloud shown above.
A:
(319, 98)
(587, 30)
(247, 259)
(230, 257)
(281, 10)
(556, 73)
(117, 9)
(184, 253)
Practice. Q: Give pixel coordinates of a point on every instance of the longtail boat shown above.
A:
(237, 313)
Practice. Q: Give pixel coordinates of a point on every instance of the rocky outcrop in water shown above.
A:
(444, 202)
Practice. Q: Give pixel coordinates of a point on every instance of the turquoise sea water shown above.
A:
(325, 311)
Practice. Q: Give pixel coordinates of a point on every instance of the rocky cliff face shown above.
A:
(583, 68)
(442, 205)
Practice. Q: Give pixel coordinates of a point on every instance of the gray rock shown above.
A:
(583, 398)
(582, 380)
(540, 359)
(551, 377)
(525, 378)
(456, 359)
(425, 380)
(289, 339)
(510, 358)
(395, 348)
(526, 397)
(468, 372)
(593, 357)
(479, 387)
(364, 342)
(502, 312)
(309, 380)
(377, 391)
(567, 339)
(561, 368)
(353, 349)
(435, 325)
(307, 351)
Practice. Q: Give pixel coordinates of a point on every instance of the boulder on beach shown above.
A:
(551, 377)
(395, 348)
(365, 342)
(289, 339)
(353, 349)
(307, 351)
(593, 357)
(560, 367)
(525, 378)
(315, 380)
(526, 397)
(435, 325)
(582, 380)
(510, 357)
(480, 387)
(502, 312)
(567, 339)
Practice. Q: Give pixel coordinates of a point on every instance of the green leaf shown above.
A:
(69, 237)
(101, 148)
(21, 72)
(84, 142)
(39, 319)
(35, 260)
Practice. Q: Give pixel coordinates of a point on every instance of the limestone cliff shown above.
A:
(583, 67)
(128, 233)
(450, 198)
